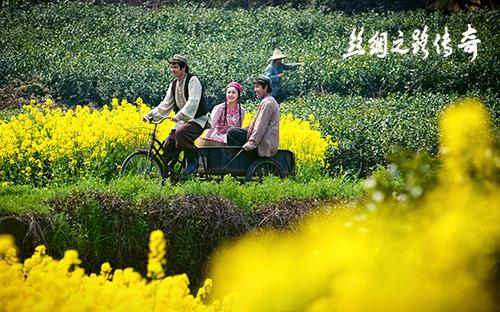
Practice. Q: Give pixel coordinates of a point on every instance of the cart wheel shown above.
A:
(142, 164)
(261, 168)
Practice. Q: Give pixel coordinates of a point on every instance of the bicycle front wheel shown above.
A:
(144, 165)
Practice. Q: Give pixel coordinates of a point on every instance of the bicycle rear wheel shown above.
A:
(144, 165)
(261, 168)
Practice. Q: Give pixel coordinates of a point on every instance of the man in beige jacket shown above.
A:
(263, 133)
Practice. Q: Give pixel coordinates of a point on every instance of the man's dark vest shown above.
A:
(202, 107)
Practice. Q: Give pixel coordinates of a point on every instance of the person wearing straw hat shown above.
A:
(263, 132)
(185, 98)
(224, 116)
(275, 70)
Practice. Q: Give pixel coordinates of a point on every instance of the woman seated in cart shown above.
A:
(263, 132)
(224, 116)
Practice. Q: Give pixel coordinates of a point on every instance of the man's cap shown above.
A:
(178, 58)
(264, 79)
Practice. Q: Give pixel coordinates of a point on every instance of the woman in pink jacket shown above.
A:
(224, 116)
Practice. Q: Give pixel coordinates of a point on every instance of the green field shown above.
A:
(83, 53)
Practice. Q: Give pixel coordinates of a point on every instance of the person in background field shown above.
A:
(275, 71)
(263, 132)
(185, 98)
(224, 116)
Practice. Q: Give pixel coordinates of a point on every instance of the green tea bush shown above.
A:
(88, 53)
(367, 130)
(343, 5)
(403, 182)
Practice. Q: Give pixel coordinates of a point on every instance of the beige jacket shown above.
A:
(264, 130)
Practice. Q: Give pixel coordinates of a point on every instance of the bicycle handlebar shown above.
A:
(159, 121)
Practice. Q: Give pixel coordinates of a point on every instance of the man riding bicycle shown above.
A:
(185, 97)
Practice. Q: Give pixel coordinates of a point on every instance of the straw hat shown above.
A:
(277, 54)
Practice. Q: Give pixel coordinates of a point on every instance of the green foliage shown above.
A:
(6, 114)
(110, 222)
(342, 5)
(194, 227)
(94, 220)
(367, 129)
(252, 195)
(18, 199)
(407, 177)
(88, 53)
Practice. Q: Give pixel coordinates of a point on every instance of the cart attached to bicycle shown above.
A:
(214, 162)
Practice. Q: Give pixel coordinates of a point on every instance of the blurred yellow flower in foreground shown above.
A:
(44, 284)
(157, 251)
(441, 256)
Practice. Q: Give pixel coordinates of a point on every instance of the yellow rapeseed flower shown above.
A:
(42, 283)
(157, 250)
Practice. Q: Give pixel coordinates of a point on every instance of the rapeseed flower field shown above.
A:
(46, 144)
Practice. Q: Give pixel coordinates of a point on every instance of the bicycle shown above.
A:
(214, 161)
(149, 162)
